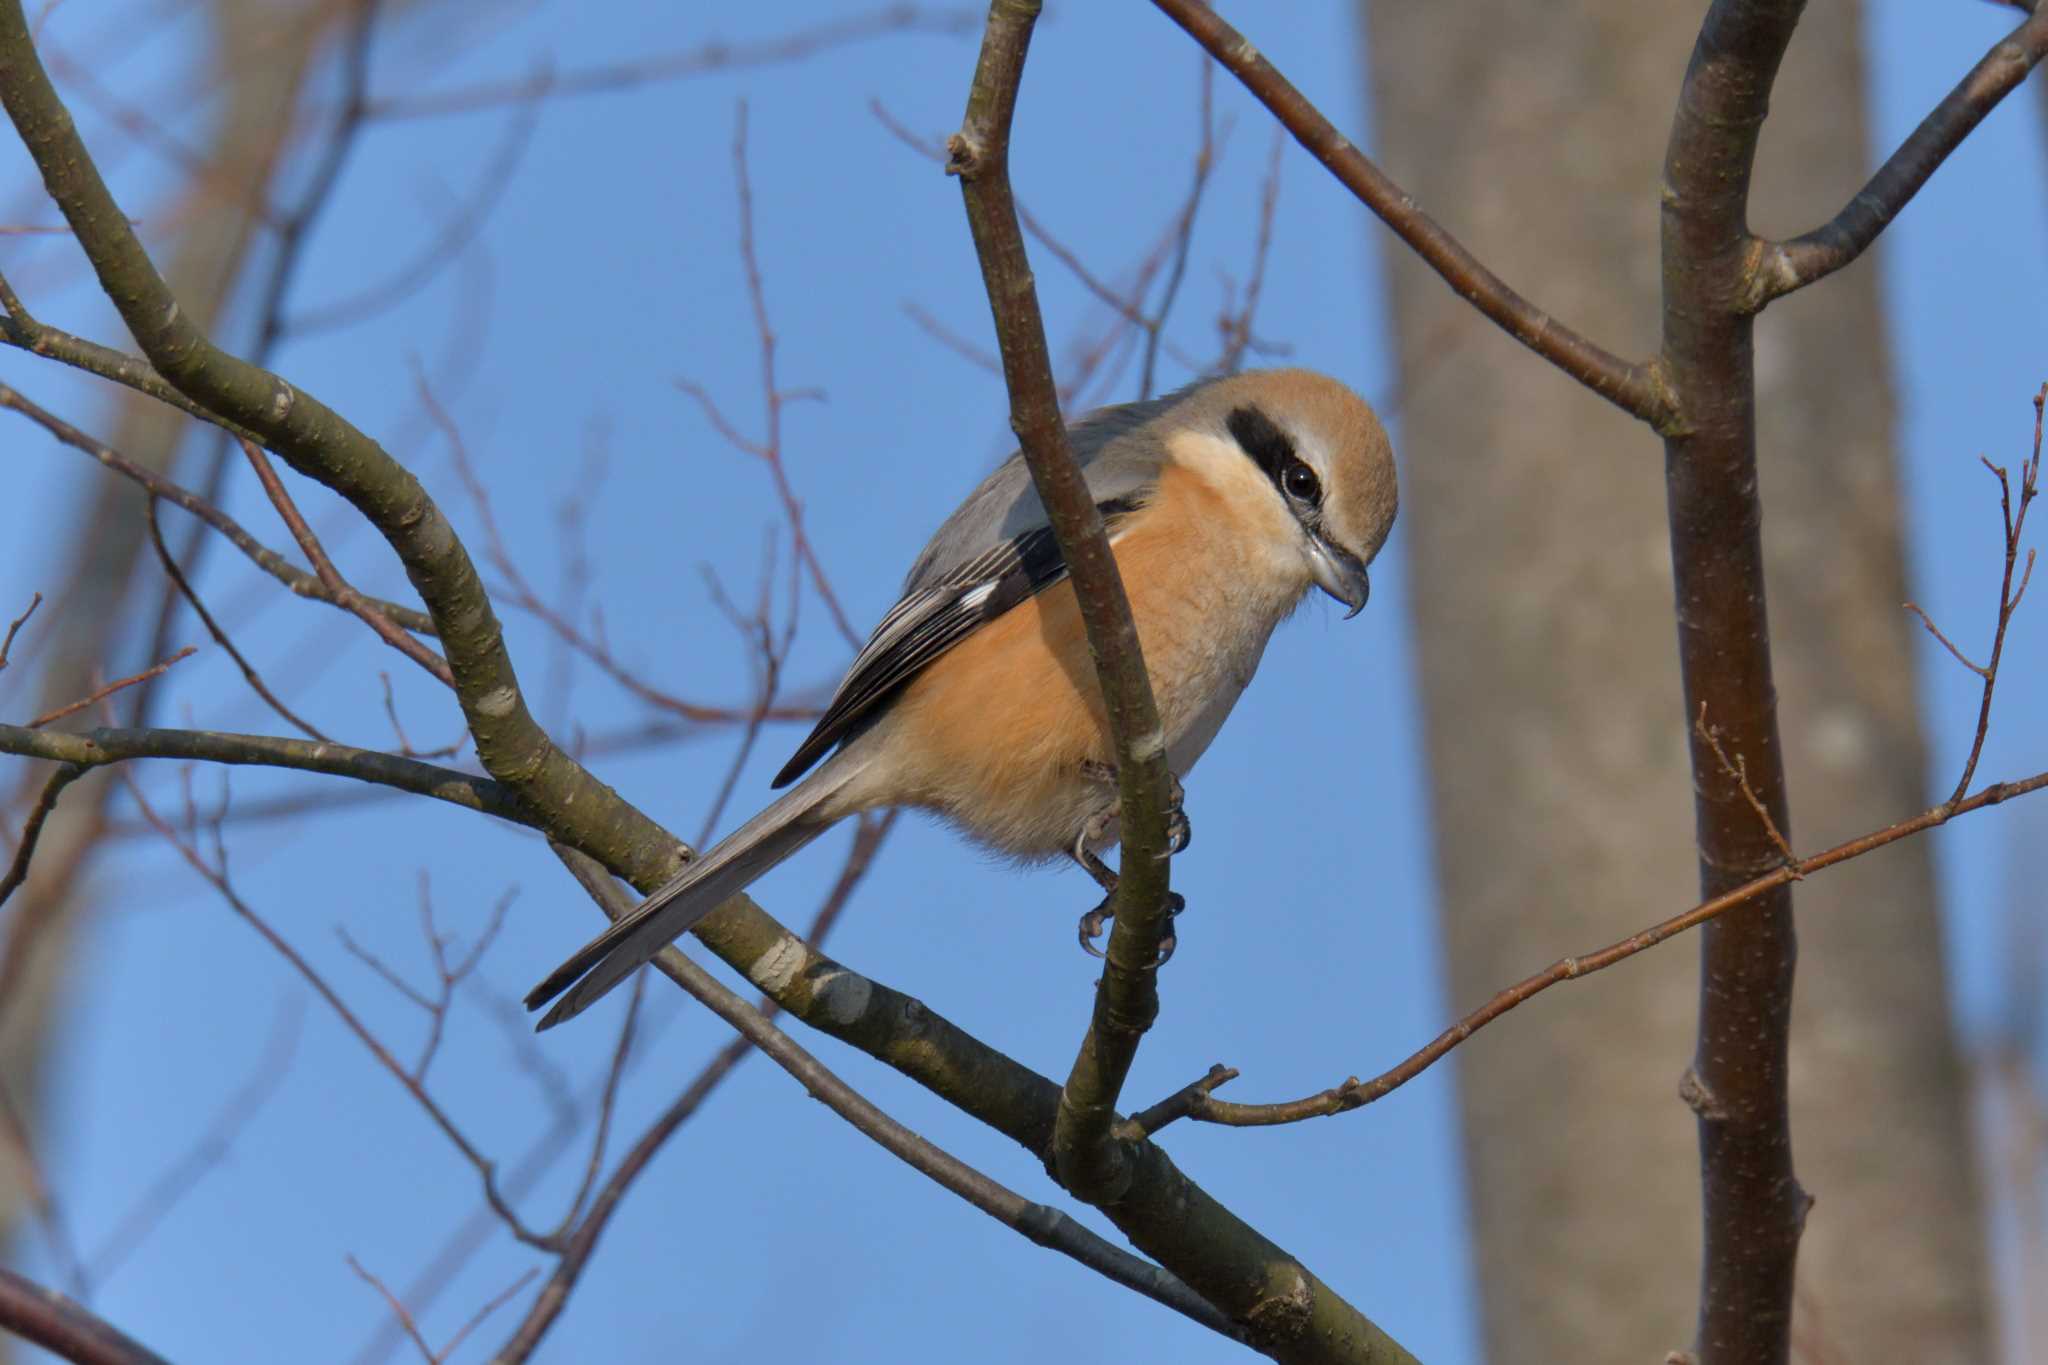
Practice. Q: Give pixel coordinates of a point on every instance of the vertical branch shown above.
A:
(1089, 1161)
(1754, 1208)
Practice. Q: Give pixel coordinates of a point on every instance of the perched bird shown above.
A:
(976, 697)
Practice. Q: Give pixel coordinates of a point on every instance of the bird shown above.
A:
(976, 696)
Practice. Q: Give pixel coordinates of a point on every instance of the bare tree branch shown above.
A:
(100, 694)
(381, 625)
(1356, 1094)
(1754, 1208)
(270, 561)
(1090, 1162)
(183, 585)
(1781, 267)
(1635, 388)
(64, 1327)
(1043, 1224)
(95, 748)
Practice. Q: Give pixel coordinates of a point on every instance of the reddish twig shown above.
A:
(554, 1144)
(1235, 323)
(1354, 1093)
(1738, 769)
(2014, 523)
(365, 610)
(398, 728)
(398, 1310)
(411, 1327)
(518, 592)
(101, 694)
(774, 398)
(1046, 1226)
(214, 872)
(14, 628)
(1632, 387)
(447, 974)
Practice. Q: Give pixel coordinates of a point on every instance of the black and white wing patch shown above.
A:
(932, 619)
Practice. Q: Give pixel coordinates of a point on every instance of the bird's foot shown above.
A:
(1179, 833)
(1097, 920)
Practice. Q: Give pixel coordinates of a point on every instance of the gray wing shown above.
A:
(994, 552)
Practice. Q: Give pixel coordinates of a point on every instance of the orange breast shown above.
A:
(996, 732)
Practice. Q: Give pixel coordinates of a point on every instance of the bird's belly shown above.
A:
(1006, 735)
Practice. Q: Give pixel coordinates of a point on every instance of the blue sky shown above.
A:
(606, 272)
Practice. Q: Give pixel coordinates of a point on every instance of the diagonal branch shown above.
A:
(65, 1327)
(1781, 267)
(262, 556)
(1041, 1223)
(1197, 1103)
(1635, 388)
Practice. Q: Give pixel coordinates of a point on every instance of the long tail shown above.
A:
(729, 868)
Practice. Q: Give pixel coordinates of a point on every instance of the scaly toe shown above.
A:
(1093, 924)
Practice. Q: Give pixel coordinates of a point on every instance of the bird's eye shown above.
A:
(1300, 483)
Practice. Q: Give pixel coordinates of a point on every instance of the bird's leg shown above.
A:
(1094, 832)
(1096, 829)
(1179, 833)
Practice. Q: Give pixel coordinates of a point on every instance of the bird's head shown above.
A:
(1317, 488)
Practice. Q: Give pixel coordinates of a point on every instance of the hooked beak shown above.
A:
(1338, 573)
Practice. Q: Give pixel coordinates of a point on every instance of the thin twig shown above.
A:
(95, 748)
(32, 831)
(14, 627)
(2014, 522)
(156, 670)
(214, 871)
(1354, 1093)
(398, 1310)
(1778, 268)
(266, 559)
(365, 610)
(1632, 387)
(183, 585)
(1738, 769)
(1046, 1226)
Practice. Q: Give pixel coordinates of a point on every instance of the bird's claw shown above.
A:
(1179, 833)
(1095, 921)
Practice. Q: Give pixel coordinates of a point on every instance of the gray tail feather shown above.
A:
(729, 868)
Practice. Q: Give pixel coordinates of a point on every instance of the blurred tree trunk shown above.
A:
(1535, 522)
(264, 52)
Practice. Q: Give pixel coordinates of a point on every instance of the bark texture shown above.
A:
(1534, 514)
